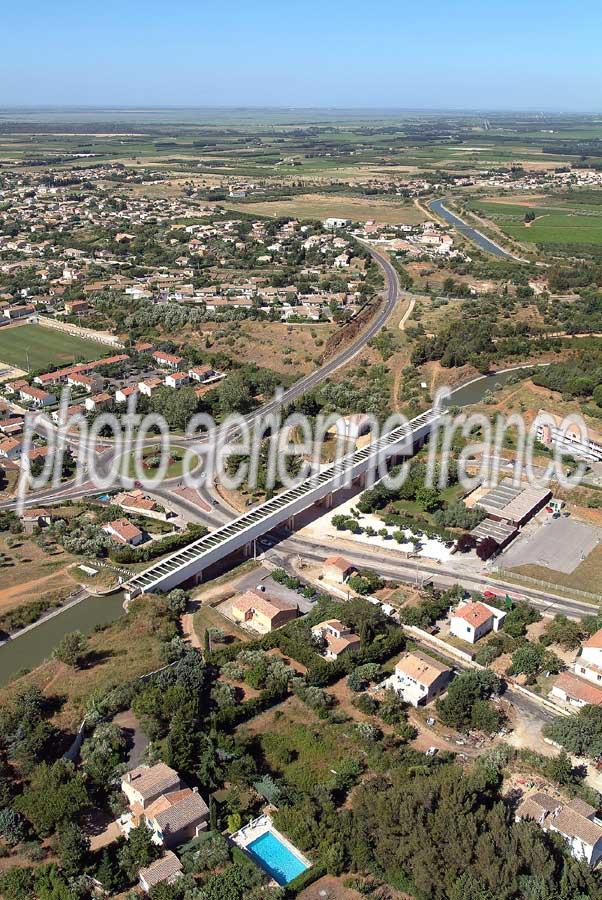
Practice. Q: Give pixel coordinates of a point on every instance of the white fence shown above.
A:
(101, 337)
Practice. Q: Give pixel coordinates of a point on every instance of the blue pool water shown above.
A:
(276, 859)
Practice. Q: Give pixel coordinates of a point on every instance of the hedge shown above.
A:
(304, 880)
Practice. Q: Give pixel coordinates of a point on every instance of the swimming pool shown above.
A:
(275, 858)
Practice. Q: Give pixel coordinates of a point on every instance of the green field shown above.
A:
(34, 348)
(578, 226)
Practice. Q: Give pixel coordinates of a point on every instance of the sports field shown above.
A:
(34, 348)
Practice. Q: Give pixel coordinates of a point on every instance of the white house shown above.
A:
(589, 664)
(177, 380)
(472, 621)
(11, 448)
(167, 360)
(124, 531)
(339, 638)
(151, 384)
(146, 783)
(332, 222)
(122, 394)
(419, 678)
(36, 396)
(204, 374)
(576, 821)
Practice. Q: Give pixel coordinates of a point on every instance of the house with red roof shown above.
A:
(124, 532)
(471, 621)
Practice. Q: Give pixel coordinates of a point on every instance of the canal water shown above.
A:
(33, 647)
(471, 233)
(474, 391)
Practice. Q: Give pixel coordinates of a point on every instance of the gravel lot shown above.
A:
(559, 544)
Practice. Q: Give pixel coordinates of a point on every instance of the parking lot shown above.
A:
(559, 544)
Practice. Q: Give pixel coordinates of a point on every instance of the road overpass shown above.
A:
(190, 562)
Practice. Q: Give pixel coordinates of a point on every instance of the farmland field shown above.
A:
(32, 347)
(313, 206)
(552, 224)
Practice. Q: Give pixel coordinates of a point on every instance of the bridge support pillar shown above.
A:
(198, 578)
(290, 523)
(328, 501)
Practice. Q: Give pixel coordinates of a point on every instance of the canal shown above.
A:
(471, 233)
(30, 649)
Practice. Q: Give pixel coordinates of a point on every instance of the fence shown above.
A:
(450, 650)
(422, 635)
(89, 334)
(547, 585)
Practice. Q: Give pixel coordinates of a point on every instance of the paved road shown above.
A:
(489, 246)
(417, 571)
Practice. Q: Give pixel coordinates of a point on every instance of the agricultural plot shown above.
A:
(34, 348)
(314, 206)
(578, 225)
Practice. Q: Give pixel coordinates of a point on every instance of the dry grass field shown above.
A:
(315, 206)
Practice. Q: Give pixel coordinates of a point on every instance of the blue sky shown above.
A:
(533, 54)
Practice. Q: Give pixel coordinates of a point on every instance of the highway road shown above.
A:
(393, 293)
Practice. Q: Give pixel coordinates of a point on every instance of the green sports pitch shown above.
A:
(34, 348)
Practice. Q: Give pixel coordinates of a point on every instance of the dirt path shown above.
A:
(188, 631)
(29, 589)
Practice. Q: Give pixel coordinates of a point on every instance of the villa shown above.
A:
(582, 686)
(124, 531)
(157, 797)
(338, 638)
(576, 821)
(472, 621)
(261, 613)
(419, 678)
(144, 784)
(177, 817)
(164, 870)
(338, 569)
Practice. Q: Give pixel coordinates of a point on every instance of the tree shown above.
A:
(102, 754)
(580, 734)
(487, 548)
(17, 884)
(428, 499)
(177, 601)
(234, 822)
(532, 659)
(55, 794)
(181, 743)
(456, 709)
(560, 768)
(234, 395)
(138, 851)
(107, 872)
(466, 542)
(12, 827)
(71, 649)
(73, 847)
(564, 631)
(205, 853)
(486, 717)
